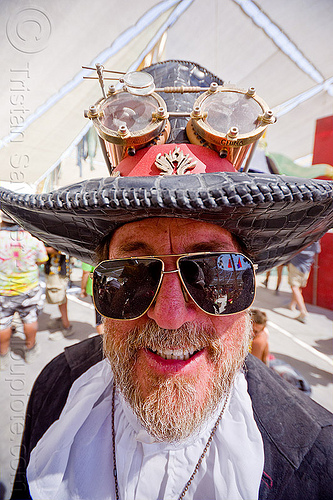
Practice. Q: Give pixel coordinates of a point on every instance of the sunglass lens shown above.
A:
(221, 283)
(124, 289)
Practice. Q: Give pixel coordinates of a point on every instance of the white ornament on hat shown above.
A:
(175, 162)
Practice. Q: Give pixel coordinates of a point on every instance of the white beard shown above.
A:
(171, 411)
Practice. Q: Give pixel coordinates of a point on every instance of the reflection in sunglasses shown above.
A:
(218, 282)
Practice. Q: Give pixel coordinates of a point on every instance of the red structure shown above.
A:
(319, 290)
(323, 143)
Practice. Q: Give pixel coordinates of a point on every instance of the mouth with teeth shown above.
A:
(175, 354)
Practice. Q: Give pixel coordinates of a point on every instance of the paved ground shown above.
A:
(308, 348)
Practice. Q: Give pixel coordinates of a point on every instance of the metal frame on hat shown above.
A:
(121, 136)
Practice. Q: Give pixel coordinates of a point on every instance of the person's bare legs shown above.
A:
(64, 314)
(30, 330)
(293, 305)
(265, 283)
(299, 301)
(32, 349)
(5, 340)
(279, 277)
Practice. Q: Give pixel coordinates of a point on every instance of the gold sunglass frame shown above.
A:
(177, 270)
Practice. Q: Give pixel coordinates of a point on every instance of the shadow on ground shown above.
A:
(313, 375)
(324, 345)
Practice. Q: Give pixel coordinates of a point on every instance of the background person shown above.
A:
(57, 273)
(298, 274)
(20, 290)
(279, 270)
(260, 349)
(259, 345)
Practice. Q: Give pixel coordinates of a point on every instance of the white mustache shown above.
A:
(188, 338)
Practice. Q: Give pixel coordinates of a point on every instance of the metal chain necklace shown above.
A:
(196, 468)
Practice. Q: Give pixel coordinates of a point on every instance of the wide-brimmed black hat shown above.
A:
(273, 216)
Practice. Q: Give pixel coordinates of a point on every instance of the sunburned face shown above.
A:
(175, 363)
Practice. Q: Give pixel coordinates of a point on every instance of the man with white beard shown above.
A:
(176, 363)
(173, 406)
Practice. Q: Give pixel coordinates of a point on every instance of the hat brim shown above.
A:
(273, 216)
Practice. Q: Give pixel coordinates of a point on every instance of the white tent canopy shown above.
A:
(284, 49)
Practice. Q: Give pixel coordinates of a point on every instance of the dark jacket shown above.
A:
(296, 431)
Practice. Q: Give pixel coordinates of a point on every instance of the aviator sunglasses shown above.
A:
(219, 283)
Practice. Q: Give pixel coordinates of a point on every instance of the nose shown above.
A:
(171, 308)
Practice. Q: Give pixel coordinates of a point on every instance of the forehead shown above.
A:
(170, 235)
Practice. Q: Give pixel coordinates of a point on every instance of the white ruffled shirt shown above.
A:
(73, 459)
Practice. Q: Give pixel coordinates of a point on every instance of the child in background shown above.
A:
(259, 346)
(260, 349)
